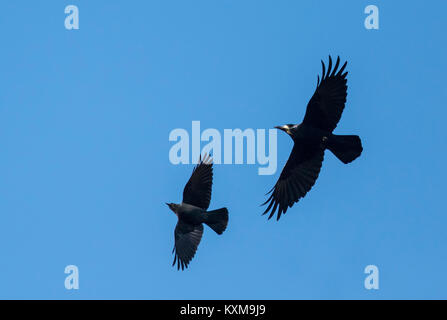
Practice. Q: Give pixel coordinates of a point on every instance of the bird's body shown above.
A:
(192, 213)
(311, 138)
(306, 134)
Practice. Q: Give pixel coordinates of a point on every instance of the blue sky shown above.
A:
(85, 117)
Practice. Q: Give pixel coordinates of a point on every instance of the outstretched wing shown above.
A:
(296, 179)
(187, 239)
(328, 101)
(197, 191)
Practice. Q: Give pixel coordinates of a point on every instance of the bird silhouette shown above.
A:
(311, 138)
(192, 213)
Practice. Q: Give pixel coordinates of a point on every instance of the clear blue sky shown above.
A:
(85, 117)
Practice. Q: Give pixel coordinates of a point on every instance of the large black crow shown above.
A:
(311, 138)
(192, 212)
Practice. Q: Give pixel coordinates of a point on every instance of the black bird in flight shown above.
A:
(311, 138)
(192, 213)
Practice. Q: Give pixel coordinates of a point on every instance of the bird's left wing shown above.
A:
(328, 101)
(197, 191)
(187, 239)
(296, 179)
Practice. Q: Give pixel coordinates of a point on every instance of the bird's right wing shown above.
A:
(197, 191)
(296, 179)
(187, 239)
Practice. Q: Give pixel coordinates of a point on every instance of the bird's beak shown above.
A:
(283, 128)
(170, 205)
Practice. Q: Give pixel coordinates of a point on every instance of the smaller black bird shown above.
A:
(192, 213)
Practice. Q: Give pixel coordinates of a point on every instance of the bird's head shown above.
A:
(286, 128)
(173, 207)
